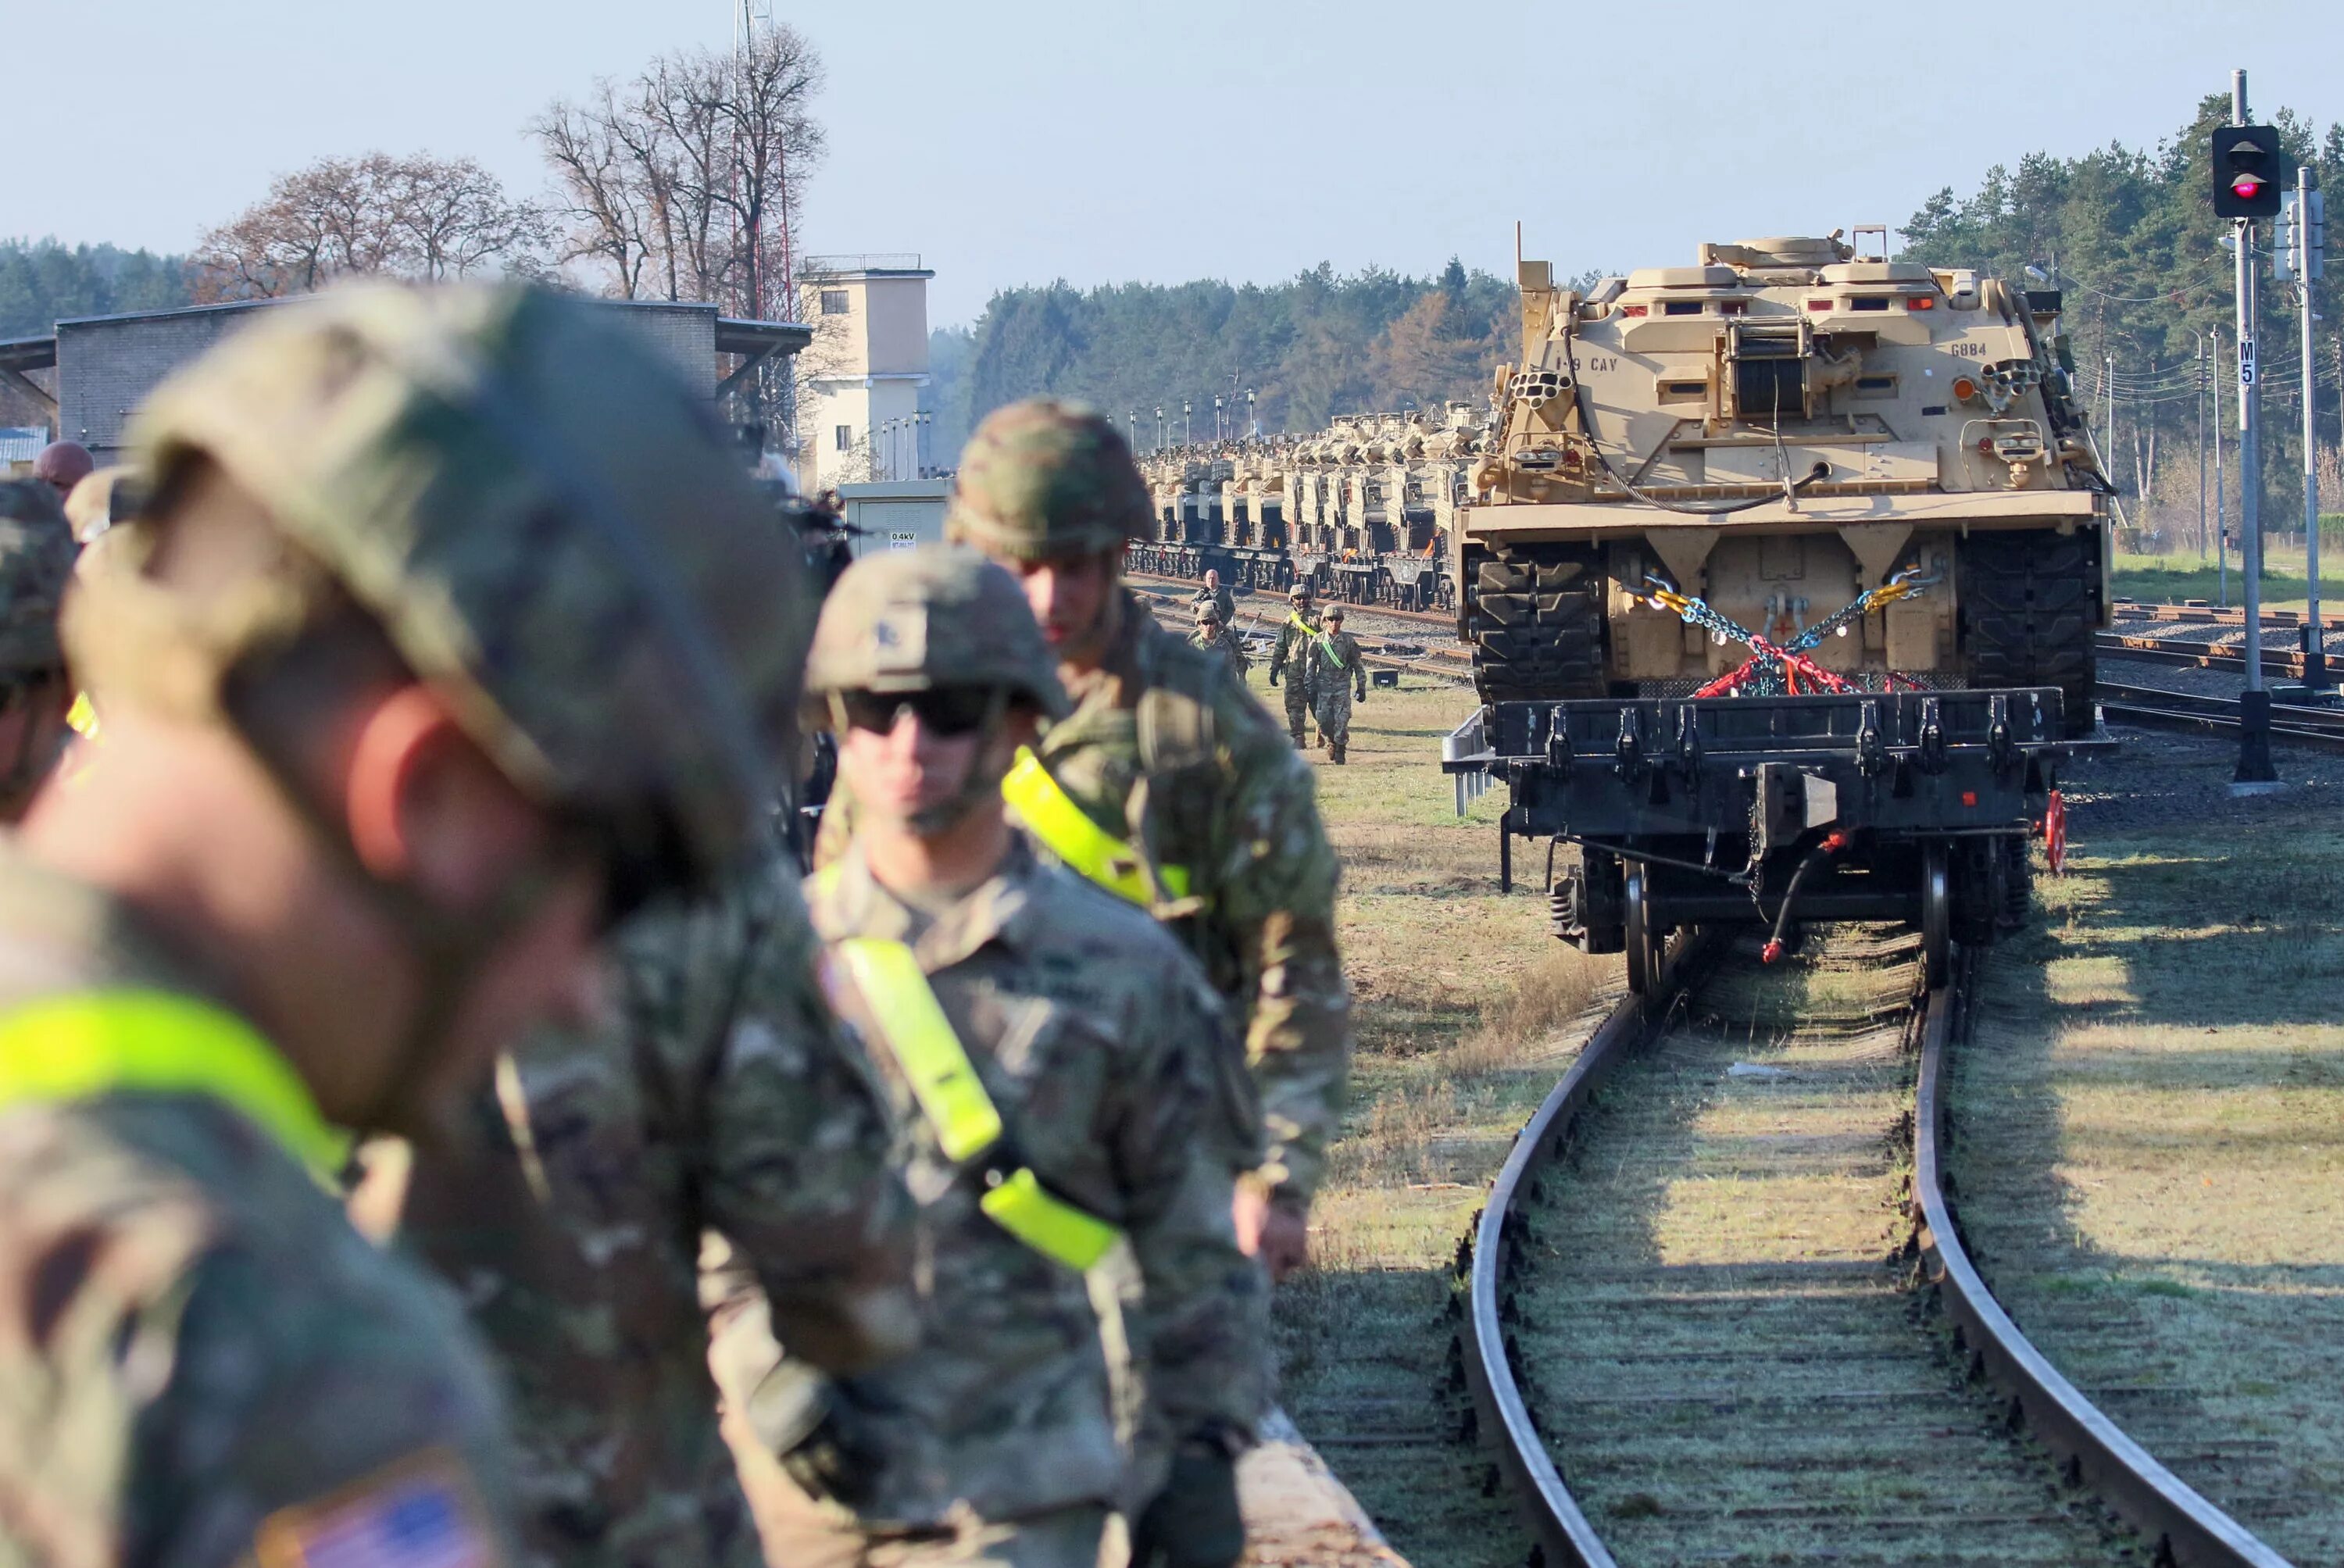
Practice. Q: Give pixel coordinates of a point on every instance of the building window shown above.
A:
(844, 436)
(833, 301)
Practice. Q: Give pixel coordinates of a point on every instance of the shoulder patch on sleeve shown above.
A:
(420, 1512)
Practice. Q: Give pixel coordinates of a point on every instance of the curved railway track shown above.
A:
(1748, 1367)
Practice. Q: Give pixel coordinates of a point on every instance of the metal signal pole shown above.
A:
(2221, 496)
(2254, 775)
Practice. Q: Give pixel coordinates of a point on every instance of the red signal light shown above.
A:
(2246, 187)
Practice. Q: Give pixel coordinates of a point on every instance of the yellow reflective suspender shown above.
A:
(1069, 832)
(80, 1046)
(963, 1115)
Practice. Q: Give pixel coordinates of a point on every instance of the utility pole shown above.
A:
(2254, 773)
(2308, 240)
(2201, 449)
(2221, 496)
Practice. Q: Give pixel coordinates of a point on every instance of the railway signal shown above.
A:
(2246, 186)
(2246, 171)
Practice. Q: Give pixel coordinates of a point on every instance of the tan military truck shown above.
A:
(1772, 431)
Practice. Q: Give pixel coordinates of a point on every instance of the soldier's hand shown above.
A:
(1273, 675)
(1285, 1244)
(1194, 1522)
(1362, 695)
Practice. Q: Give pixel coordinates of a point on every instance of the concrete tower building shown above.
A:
(864, 370)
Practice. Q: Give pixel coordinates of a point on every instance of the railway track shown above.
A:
(2318, 729)
(1391, 639)
(1726, 1315)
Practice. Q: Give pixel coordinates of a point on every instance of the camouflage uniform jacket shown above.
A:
(1291, 657)
(1226, 643)
(1095, 1036)
(721, 1096)
(198, 1347)
(1166, 749)
(1220, 598)
(1335, 661)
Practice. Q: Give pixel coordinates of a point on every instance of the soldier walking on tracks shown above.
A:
(1214, 636)
(1337, 670)
(717, 1097)
(1054, 1054)
(1291, 660)
(1167, 786)
(1218, 597)
(441, 637)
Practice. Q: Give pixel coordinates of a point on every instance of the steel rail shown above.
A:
(2315, 728)
(1502, 1416)
(2188, 1531)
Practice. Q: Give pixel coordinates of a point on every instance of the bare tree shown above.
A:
(684, 183)
(417, 217)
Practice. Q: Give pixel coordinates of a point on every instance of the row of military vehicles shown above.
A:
(1780, 573)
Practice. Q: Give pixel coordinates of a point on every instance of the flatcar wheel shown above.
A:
(1936, 916)
(1644, 943)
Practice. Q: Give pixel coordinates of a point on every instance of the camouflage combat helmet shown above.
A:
(1208, 610)
(1043, 480)
(543, 519)
(37, 562)
(911, 620)
(1302, 589)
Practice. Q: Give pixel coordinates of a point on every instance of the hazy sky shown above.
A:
(1024, 140)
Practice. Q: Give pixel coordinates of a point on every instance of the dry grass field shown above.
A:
(1467, 1012)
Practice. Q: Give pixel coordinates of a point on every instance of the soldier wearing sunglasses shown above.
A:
(1054, 1053)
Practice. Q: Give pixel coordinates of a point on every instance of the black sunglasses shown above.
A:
(943, 710)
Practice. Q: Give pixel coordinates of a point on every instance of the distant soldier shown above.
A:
(37, 563)
(1337, 673)
(1291, 660)
(1054, 1054)
(1218, 597)
(1214, 636)
(442, 639)
(61, 465)
(1167, 786)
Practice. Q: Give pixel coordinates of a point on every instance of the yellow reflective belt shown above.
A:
(83, 716)
(80, 1046)
(952, 1096)
(1069, 831)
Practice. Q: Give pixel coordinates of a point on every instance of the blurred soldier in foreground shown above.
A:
(1168, 787)
(37, 563)
(442, 637)
(1222, 601)
(1055, 1056)
(1291, 660)
(61, 465)
(1337, 672)
(718, 1096)
(1215, 636)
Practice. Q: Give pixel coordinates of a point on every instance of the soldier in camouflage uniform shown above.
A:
(444, 635)
(1215, 636)
(1097, 1045)
(1336, 672)
(37, 563)
(1223, 602)
(1169, 787)
(719, 1097)
(1290, 658)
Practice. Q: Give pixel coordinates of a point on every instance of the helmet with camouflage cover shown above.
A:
(37, 562)
(1046, 481)
(914, 619)
(1208, 612)
(546, 524)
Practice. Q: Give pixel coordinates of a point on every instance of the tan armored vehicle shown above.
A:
(1772, 431)
(1363, 510)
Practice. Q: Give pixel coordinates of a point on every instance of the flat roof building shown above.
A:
(862, 376)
